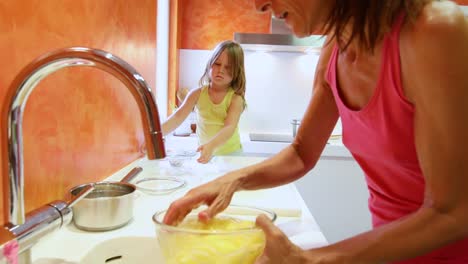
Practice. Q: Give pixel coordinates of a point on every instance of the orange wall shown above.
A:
(80, 124)
(461, 2)
(207, 22)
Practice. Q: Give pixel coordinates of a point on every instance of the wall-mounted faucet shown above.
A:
(28, 229)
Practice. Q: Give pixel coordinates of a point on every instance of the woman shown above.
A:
(395, 72)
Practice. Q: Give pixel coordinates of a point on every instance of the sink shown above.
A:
(124, 250)
(119, 250)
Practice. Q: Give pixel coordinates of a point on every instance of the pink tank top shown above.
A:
(381, 139)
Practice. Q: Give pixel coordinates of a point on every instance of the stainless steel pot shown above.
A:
(109, 206)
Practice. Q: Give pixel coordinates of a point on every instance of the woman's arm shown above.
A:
(182, 112)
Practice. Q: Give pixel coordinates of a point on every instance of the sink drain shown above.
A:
(114, 260)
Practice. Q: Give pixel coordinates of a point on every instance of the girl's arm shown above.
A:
(182, 112)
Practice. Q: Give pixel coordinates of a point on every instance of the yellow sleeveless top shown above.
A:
(210, 120)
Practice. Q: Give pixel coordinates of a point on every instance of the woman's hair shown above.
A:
(236, 59)
(370, 19)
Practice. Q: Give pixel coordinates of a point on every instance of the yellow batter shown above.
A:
(232, 248)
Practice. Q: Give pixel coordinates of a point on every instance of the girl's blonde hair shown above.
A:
(236, 59)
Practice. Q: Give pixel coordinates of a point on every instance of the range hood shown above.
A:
(281, 39)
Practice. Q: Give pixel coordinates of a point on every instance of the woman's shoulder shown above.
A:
(440, 26)
(444, 13)
(434, 42)
(438, 19)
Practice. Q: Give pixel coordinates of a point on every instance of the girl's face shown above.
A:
(305, 17)
(221, 70)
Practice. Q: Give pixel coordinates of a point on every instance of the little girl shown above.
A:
(218, 102)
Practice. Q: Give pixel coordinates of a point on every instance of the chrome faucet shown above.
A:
(26, 228)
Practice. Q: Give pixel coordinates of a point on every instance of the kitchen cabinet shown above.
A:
(336, 194)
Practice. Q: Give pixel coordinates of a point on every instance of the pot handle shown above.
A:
(81, 195)
(132, 174)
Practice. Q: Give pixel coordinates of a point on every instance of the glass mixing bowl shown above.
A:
(178, 158)
(230, 238)
(159, 185)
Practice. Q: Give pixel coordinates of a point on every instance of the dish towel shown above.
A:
(9, 253)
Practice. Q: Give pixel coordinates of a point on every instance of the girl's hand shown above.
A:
(278, 248)
(206, 152)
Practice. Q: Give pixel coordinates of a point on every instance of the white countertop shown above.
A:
(70, 245)
(334, 148)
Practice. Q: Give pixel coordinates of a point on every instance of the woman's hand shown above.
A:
(206, 152)
(278, 249)
(216, 194)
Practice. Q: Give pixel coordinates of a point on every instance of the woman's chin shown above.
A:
(301, 33)
(298, 32)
